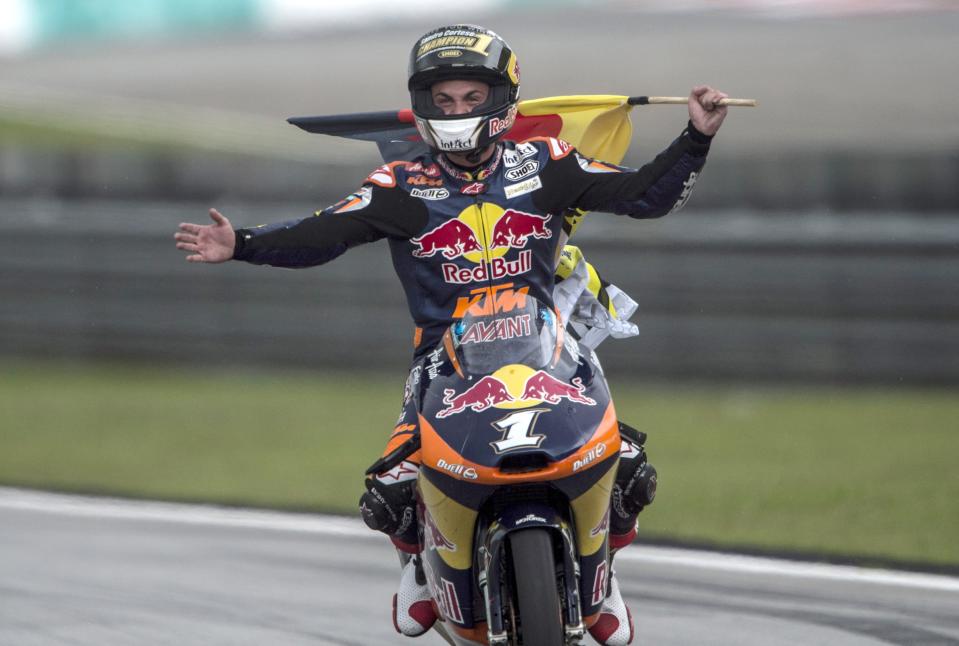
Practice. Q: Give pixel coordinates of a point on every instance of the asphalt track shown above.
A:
(108, 572)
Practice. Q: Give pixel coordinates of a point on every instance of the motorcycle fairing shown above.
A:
(439, 454)
(449, 515)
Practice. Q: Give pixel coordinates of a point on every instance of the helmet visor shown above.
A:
(424, 105)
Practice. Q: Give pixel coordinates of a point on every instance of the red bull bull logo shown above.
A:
(483, 237)
(486, 392)
(434, 537)
(543, 386)
(515, 228)
(453, 238)
(499, 391)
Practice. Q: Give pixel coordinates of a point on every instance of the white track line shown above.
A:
(72, 505)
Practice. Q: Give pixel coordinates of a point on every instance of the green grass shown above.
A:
(848, 473)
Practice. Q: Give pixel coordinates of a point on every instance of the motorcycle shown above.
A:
(519, 445)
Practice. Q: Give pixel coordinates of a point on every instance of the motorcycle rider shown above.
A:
(464, 87)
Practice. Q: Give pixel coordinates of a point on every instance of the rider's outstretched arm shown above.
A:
(372, 213)
(659, 187)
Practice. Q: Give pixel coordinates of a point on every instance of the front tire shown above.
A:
(534, 573)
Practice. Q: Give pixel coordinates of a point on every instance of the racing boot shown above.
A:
(389, 505)
(413, 612)
(615, 624)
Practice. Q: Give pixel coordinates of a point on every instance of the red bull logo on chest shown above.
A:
(483, 235)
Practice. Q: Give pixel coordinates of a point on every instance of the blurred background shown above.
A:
(799, 350)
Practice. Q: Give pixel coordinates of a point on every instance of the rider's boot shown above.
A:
(413, 612)
(615, 624)
(634, 489)
(389, 506)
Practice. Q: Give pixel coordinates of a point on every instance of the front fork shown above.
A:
(492, 553)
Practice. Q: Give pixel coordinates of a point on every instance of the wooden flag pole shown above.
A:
(682, 100)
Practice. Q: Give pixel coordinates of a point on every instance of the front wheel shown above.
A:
(534, 571)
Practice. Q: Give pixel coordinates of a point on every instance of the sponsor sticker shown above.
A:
(475, 188)
(402, 472)
(602, 527)
(591, 456)
(687, 191)
(452, 238)
(498, 329)
(454, 39)
(514, 157)
(530, 518)
(435, 363)
(423, 180)
(558, 148)
(468, 473)
(432, 170)
(451, 602)
(491, 391)
(354, 202)
(430, 193)
(497, 126)
(599, 584)
(494, 269)
(593, 166)
(528, 168)
(459, 238)
(383, 176)
(527, 186)
(412, 381)
(484, 301)
(435, 540)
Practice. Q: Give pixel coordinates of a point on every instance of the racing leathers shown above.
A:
(461, 236)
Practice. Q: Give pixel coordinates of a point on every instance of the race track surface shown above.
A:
(93, 571)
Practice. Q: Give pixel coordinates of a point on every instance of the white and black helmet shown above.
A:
(463, 52)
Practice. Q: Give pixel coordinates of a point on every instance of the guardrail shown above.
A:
(723, 295)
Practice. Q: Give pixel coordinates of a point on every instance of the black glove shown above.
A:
(388, 508)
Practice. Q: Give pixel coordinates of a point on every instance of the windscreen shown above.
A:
(486, 340)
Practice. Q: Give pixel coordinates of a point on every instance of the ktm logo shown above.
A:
(422, 180)
(491, 300)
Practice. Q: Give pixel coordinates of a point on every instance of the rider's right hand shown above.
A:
(211, 243)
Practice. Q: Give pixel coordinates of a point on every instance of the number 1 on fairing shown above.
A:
(518, 431)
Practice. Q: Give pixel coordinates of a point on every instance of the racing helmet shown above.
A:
(461, 52)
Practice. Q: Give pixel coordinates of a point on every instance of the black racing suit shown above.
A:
(461, 235)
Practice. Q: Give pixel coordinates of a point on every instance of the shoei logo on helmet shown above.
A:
(450, 53)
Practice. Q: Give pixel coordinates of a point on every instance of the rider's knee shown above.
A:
(633, 490)
(389, 504)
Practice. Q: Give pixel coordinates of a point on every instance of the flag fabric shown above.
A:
(597, 125)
